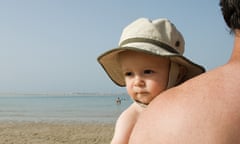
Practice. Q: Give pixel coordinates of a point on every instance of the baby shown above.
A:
(148, 61)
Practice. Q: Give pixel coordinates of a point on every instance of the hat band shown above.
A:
(151, 41)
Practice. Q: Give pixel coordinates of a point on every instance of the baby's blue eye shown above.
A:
(148, 71)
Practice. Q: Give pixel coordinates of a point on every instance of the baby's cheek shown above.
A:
(129, 90)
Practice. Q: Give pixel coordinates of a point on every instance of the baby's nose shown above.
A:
(139, 81)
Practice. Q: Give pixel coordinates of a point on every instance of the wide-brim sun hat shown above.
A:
(158, 37)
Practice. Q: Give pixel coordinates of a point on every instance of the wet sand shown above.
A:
(55, 133)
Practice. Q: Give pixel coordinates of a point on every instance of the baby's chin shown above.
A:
(143, 101)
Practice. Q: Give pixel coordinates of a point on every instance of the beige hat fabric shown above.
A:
(158, 37)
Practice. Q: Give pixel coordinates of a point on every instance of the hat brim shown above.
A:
(110, 63)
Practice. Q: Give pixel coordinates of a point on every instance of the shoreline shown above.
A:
(19, 132)
(47, 94)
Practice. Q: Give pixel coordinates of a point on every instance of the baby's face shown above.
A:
(145, 75)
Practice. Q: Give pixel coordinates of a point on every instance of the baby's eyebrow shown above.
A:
(125, 70)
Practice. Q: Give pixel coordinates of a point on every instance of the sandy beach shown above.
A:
(55, 133)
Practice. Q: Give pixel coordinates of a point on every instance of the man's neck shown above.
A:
(235, 57)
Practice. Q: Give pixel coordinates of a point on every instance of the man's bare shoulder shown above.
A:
(197, 111)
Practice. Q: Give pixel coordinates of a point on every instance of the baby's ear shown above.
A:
(181, 74)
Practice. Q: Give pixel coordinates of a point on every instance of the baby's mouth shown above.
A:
(142, 93)
(139, 96)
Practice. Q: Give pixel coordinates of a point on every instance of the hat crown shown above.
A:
(160, 30)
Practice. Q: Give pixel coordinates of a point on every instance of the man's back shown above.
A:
(205, 110)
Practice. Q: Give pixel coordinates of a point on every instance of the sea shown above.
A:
(95, 108)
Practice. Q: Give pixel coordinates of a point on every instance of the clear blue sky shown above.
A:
(52, 45)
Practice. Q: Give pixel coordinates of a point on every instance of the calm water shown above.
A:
(62, 108)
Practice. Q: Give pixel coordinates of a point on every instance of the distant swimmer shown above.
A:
(118, 101)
